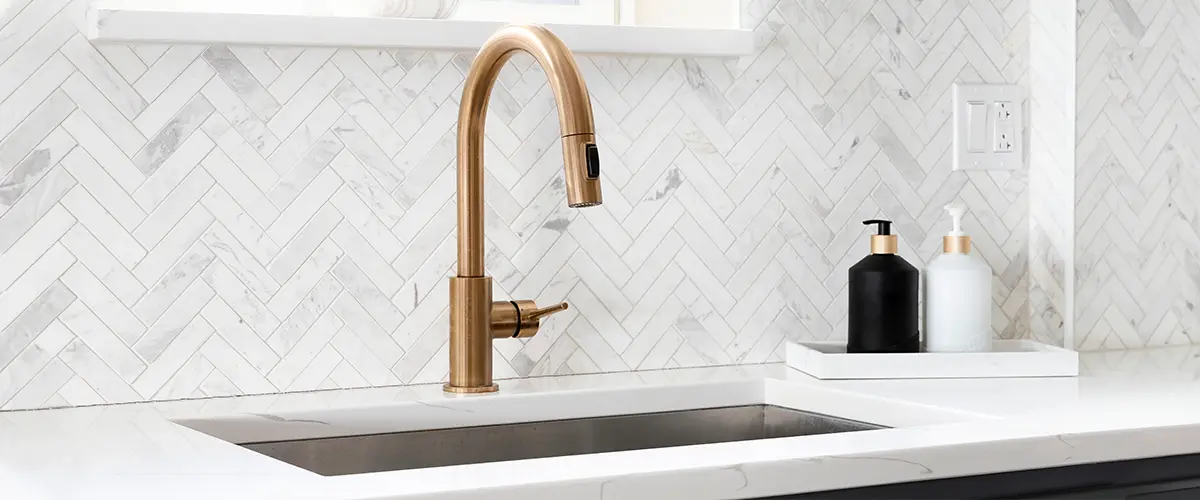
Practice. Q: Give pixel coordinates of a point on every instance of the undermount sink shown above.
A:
(334, 456)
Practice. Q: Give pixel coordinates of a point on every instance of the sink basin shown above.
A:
(333, 456)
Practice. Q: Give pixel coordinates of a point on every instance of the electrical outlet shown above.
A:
(1004, 139)
(1004, 111)
(988, 127)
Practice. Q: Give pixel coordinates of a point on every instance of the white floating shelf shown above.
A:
(122, 22)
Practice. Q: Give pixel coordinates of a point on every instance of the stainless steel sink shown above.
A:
(496, 443)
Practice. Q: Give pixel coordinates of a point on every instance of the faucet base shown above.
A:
(470, 390)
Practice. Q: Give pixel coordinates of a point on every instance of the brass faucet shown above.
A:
(474, 318)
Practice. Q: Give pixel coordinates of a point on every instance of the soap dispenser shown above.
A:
(883, 299)
(958, 295)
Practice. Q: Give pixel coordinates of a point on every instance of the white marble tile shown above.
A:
(30, 170)
(163, 292)
(172, 171)
(423, 352)
(33, 320)
(29, 18)
(258, 63)
(187, 379)
(33, 130)
(117, 127)
(176, 365)
(100, 146)
(230, 327)
(299, 173)
(240, 262)
(301, 355)
(27, 363)
(103, 264)
(311, 178)
(302, 317)
(364, 255)
(244, 84)
(26, 289)
(92, 177)
(242, 153)
(369, 176)
(35, 52)
(112, 350)
(76, 391)
(102, 303)
(166, 69)
(48, 230)
(374, 301)
(368, 118)
(293, 218)
(87, 363)
(365, 221)
(173, 208)
(316, 375)
(301, 66)
(174, 244)
(368, 83)
(245, 378)
(245, 229)
(293, 291)
(241, 188)
(167, 137)
(104, 77)
(360, 321)
(173, 321)
(306, 99)
(365, 361)
(241, 299)
(301, 247)
(46, 80)
(305, 153)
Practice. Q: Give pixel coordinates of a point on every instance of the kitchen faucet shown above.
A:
(474, 318)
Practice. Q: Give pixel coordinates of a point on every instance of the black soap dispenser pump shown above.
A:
(883, 298)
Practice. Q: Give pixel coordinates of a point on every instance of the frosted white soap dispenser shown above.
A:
(958, 295)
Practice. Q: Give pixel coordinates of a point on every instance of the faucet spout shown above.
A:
(581, 159)
(474, 318)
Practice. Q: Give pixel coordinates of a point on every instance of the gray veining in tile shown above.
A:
(34, 129)
(39, 200)
(163, 145)
(35, 318)
(235, 74)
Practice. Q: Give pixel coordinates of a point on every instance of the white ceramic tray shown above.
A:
(1008, 358)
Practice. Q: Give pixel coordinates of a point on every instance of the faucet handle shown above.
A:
(514, 319)
(538, 313)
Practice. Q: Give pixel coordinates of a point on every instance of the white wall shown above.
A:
(687, 13)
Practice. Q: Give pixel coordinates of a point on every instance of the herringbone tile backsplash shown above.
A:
(190, 221)
(1137, 266)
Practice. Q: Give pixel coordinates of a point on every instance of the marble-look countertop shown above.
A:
(1127, 404)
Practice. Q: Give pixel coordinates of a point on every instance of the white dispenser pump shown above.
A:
(956, 241)
(958, 294)
(956, 214)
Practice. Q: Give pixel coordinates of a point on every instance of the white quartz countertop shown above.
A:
(1127, 405)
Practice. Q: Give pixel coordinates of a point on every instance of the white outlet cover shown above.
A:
(967, 158)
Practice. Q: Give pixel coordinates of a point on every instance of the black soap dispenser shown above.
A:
(883, 299)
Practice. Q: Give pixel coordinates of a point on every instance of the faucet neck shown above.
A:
(574, 114)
